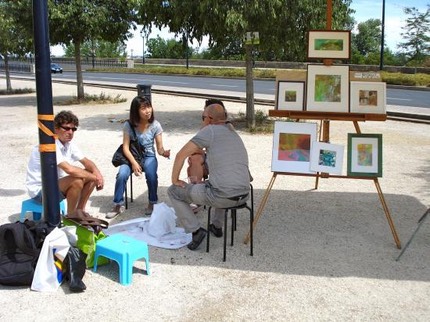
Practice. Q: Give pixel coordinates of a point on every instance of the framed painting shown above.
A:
(329, 44)
(292, 143)
(364, 155)
(290, 96)
(326, 157)
(327, 88)
(368, 97)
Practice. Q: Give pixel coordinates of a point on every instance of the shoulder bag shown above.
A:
(135, 148)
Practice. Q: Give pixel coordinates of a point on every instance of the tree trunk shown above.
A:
(79, 79)
(7, 72)
(250, 115)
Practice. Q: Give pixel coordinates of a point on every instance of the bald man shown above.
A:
(228, 183)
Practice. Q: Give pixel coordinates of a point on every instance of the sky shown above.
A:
(364, 10)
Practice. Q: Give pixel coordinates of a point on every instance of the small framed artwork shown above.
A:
(364, 155)
(327, 88)
(326, 157)
(368, 97)
(290, 96)
(329, 44)
(292, 143)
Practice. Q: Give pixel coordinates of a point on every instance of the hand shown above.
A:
(99, 183)
(137, 169)
(180, 183)
(166, 154)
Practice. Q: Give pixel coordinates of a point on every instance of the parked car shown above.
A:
(55, 68)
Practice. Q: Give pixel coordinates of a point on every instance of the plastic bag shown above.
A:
(163, 220)
(75, 269)
(87, 240)
(45, 275)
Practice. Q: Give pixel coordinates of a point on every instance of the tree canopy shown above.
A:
(416, 35)
(282, 24)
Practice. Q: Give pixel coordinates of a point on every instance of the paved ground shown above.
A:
(325, 254)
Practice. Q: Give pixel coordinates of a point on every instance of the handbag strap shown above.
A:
(135, 136)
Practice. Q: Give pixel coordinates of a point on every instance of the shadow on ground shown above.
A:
(315, 233)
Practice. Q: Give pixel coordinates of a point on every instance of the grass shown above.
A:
(17, 91)
(391, 78)
(102, 98)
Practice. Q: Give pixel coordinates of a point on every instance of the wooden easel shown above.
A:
(325, 118)
(325, 133)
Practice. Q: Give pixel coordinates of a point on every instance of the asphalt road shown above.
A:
(395, 96)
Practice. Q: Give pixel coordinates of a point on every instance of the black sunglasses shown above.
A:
(66, 128)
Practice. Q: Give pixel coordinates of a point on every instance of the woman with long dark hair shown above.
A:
(148, 130)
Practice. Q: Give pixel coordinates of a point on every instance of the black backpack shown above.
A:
(20, 245)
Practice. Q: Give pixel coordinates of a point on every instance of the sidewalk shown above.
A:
(320, 255)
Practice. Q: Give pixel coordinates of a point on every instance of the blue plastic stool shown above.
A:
(37, 209)
(124, 250)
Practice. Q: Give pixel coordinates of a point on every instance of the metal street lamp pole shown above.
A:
(142, 33)
(381, 65)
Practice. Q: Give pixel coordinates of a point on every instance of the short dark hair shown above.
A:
(211, 101)
(65, 117)
(136, 103)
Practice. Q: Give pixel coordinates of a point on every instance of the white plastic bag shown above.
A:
(45, 274)
(163, 220)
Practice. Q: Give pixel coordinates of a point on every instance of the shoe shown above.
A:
(216, 231)
(198, 237)
(149, 209)
(116, 210)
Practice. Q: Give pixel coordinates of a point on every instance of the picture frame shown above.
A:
(327, 88)
(327, 157)
(292, 143)
(364, 155)
(368, 97)
(290, 95)
(329, 44)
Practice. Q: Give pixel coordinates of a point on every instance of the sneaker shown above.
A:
(116, 210)
(198, 237)
(216, 231)
(149, 209)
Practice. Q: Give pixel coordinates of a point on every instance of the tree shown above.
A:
(367, 39)
(14, 37)
(100, 48)
(416, 35)
(77, 22)
(282, 26)
(161, 48)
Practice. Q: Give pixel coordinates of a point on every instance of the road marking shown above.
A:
(220, 85)
(398, 99)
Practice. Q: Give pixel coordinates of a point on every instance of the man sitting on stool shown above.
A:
(228, 183)
(76, 183)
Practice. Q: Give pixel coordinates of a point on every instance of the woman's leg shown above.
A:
(150, 166)
(124, 172)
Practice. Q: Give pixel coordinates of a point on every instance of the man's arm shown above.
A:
(90, 173)
(187, 150)
(91, 167)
